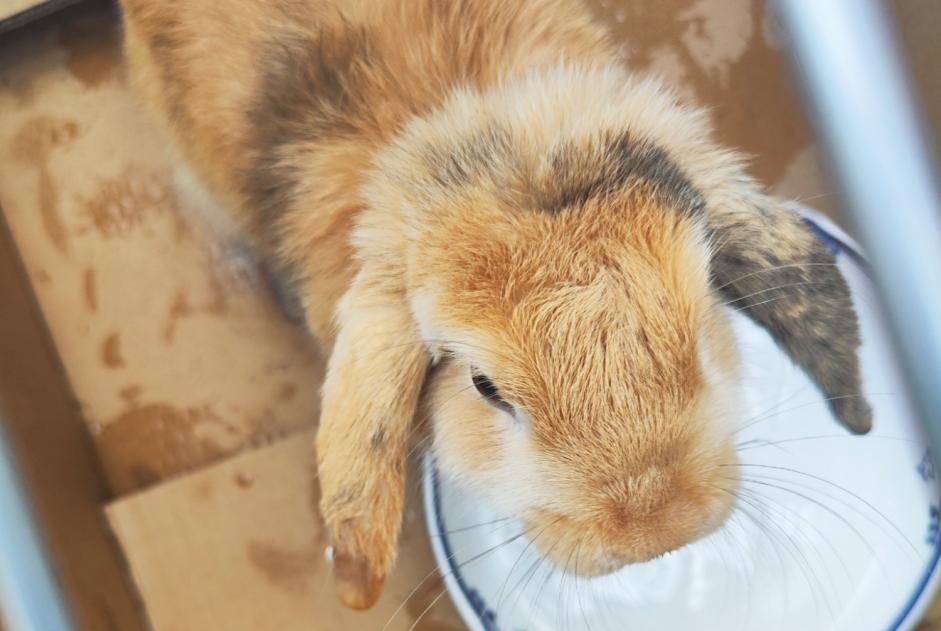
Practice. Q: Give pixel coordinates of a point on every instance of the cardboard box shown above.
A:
(239, 546)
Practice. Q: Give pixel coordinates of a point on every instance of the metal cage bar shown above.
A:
(855, 86)
(30, 598)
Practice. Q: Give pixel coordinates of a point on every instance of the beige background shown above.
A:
(191, 390)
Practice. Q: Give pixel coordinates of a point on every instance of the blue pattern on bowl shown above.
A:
(487, 617)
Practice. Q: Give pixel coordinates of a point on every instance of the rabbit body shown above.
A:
(486, 218)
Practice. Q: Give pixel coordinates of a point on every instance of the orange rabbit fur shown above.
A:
(478, 187)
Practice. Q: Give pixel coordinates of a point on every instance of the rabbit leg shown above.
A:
(373, 383)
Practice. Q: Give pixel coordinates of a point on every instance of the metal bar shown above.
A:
(856, 88)
(30, 599)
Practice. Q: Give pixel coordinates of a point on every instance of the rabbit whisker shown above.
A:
(523, 582)
(761, 419)
(529, 544)
(774, 269)
(578, 593)
(474, 527)
(757, 442)
(474, 558)
(822, 536)
(767, 289)
(776, 484)
(844, 490)
(787, 543)
(810, 198)
(786, 513)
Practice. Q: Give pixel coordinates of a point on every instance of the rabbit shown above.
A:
(485, 217)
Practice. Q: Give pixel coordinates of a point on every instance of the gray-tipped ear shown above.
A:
(769, 264)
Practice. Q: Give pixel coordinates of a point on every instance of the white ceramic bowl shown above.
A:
(839, 532)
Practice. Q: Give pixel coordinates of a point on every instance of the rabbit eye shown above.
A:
(489, 391)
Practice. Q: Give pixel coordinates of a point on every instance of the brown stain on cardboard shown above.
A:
(127, 202)
(92, 49)
(38, 136)
(49, 212)
(182, 307)
(90, 289)
(131, 394)
(244, 480)
(179, 309)
(264, 429)
(111, 352)
(285, 568)
(146, 443)
(32, 145)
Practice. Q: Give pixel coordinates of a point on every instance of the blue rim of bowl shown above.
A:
(487, 617)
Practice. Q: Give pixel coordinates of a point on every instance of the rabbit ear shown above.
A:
(768, 263)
